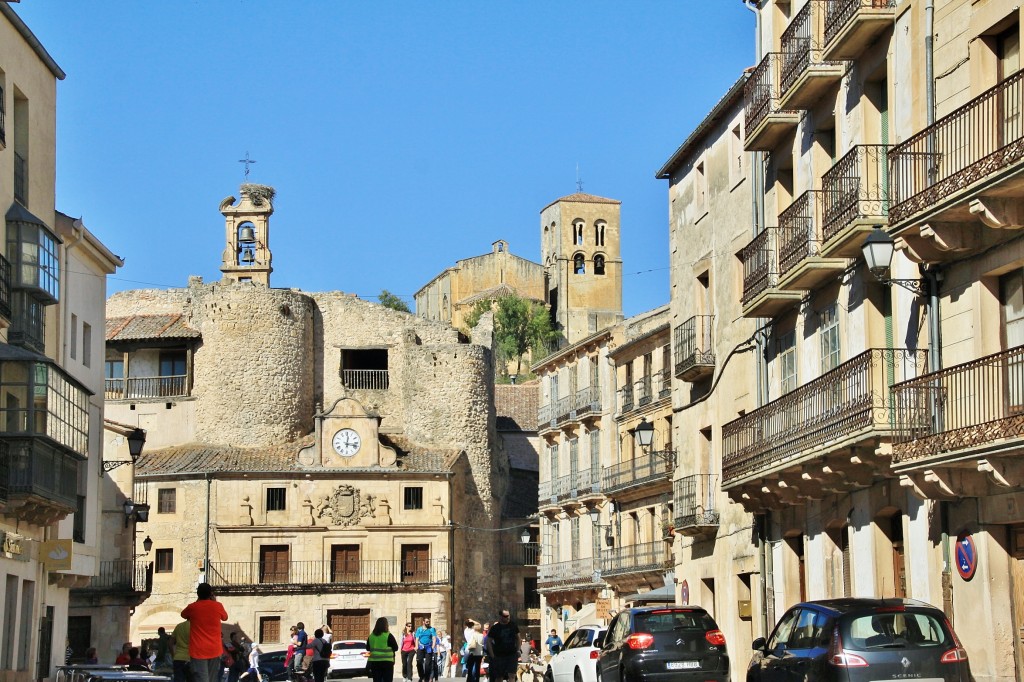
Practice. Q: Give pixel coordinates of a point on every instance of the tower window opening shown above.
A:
(577, 230)
(578, 265)
(599, 264)
(599, 234)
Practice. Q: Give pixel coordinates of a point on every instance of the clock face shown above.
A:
(346, 442)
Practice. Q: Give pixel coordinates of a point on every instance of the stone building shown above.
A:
(313, 456)
(52, 290)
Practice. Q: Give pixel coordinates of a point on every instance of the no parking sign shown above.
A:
(966, 556)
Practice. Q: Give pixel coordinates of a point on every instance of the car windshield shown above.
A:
(349, 645)
(892, 630)
(669, 621)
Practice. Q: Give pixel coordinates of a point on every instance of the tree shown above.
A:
(390, 300)
(479, 308)
(520, 326)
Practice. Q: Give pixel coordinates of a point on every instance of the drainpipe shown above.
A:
(762, 566)
(929, 59)
(206, 534)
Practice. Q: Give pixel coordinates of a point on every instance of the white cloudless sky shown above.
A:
(400, 136)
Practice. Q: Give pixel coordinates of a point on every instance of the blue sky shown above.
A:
(400, 136)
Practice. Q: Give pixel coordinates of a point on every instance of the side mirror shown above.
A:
(599, 641)
(759, 644)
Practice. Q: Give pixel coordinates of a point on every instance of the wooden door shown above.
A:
(1017, 585)
(415, 563)
(349, 623)
(274, 564)
(345, 564)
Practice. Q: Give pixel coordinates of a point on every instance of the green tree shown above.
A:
(390, 300)
(521, 325)
(479, 308)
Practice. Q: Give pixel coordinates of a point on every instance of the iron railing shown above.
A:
(850, 398)
(586, 401)
(759, 265)
(38, 469)
(801, 44)
(563, 406)
(20, 179)
(642, 389)
(693, 343)
(638, 471)
(576, 573)
(964, 406)
(645, 556)
(761, 91)
(855, 187)
(661, 384)
(544, 495)
(122, 575)
(797, 231)
(320, 575)
(146, 387)
(365, 379)
(5, 287)
(971, 143)
(516, 553)
(693, 499)
(626, 398)
(561, 487)
(585, 482)
(527, 613)
(839, 13)
(545, 417)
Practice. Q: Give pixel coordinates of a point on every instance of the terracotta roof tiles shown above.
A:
(146, 327)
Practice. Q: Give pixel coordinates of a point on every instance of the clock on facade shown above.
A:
(346, 442)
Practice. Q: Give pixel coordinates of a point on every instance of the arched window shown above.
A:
(246, 251)
(598, 264)
(578, 266)
(599, 233)
(577, 233)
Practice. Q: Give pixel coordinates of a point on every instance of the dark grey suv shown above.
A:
(855, 640)
(659, 644)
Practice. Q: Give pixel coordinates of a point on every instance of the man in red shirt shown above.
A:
(205, 644)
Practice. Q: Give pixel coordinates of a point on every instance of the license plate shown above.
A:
(682, 665)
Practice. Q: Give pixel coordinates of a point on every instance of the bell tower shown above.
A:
(247, 256)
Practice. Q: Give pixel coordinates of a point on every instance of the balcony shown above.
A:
(793, 439)
(42, 480)
(804, 75)
(694, 348)
(642, 472)
(365, 379)
(515, 553)
(569, 490)
(801, 265)
(662, 384)
(694, 504)
(852, 25)
(942, 174)
(645, 557)
(766, 122)
(626, 399)
(20, 179)
(563, 408)
(586, 402)
(528, 614)
(762, 296)
(855, 196)
(313, 577)
(123, 577)
(643, 392)
(569, 575)
(146, 387)
(965, 412)
(545, 418)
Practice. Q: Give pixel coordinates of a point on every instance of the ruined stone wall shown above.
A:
(147, 302)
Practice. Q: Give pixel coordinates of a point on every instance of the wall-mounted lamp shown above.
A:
(524, 537)
(878, 250)
(595, 521)
(136, 440)
(135, 512)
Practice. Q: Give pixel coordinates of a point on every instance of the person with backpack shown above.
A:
(426, 650)
(503, 642)
(321, 660)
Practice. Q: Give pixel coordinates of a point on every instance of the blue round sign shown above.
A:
(686, 594)
(966, 556)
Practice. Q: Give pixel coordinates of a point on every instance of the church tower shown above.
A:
(247, 254)
(582, 263)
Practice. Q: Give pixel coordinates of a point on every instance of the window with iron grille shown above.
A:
(276, 499)
(413, 498)
(787, 361)
(166, 500)
(164, 560)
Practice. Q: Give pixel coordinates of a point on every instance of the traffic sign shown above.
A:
(966, 556)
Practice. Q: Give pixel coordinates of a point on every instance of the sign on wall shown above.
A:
(56, 554)
(966, 556)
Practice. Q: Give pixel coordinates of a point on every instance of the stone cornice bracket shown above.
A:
(949, 236)
(1003, 473)
(929, 485)
(998, 213)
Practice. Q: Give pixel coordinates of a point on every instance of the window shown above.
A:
(73, 333)
(599, 233)
(164, 560)
(172, 363)
(365, 369)
(3, 133)
(344, 563)
(828, 333)
(274, 563)
(39, 398)
(574, 530)
(270, 629)
(578, 265)
(166, 500)
(87, 344)
(598, 264)
(413, 498)
(577, 233)
(276, 499)
(78, 532)
(415, 563)
(787, 361)
(32, 251)
(595, 455)
(28, 322)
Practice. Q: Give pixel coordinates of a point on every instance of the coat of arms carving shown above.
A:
(345, 506)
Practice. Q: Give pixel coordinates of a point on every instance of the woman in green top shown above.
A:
(381, 646)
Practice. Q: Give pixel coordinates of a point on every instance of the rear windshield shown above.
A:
(895, 630)
(349, 645)
(669, 621)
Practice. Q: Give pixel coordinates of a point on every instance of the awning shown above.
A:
(661, 595)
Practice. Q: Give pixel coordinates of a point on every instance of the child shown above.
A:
(254, 664)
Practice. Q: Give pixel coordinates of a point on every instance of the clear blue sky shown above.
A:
(400, 136)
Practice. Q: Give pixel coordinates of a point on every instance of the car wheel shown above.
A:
(548, 676)
(597, 670)
(577, 676)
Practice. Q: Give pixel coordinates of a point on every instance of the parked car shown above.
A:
(348, 658)
(663, 643)
(272, 666)
(576, 661)
(854, 640)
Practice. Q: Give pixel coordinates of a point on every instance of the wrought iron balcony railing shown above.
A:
(585, 482)
(642, 389)
(587, 401)
(694, 347)
(569, 574)
(640, 558)
(528, 613)
(255, 577)
(661, 384)
(694, 504)
(797, 232)
(545, 417)
(968, 405)
(840, 14)
(515, 553)
(760, 269)
(836, 407)
(855, 188)
(561, 487)
(626, 399)
(563, 407)
(801, 46)
(964, 148)
(146, 387)
(365, 379)
(121, 575)
(761, 91)
(639, 471)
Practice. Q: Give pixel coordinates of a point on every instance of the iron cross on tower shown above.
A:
(247, 161)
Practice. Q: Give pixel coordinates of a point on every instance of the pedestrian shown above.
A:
(444, 650)
(68, 651)
(290, 652)
(164, 657)
(91, 657)
(321, 659)
(474, 651)
(327, 632)
(426, 650)
(408, 652)
(382, 647)
(136, 661)
(503, 643)
(254, 664)
(234, 657)
(123, 657)
(205, 647)
(179, 646)
(299, 662)
(553, 642)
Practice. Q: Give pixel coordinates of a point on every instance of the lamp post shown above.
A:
(878, 250)
(136, 440)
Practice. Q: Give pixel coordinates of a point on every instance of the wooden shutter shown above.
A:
(270, 629)
(344, 564)
(274, 564)
(415, 563)
(349, 624)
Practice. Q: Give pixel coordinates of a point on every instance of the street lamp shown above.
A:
(595, 521)
(524, 537)
(878, 250)
(136, 439)
(644, 434)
